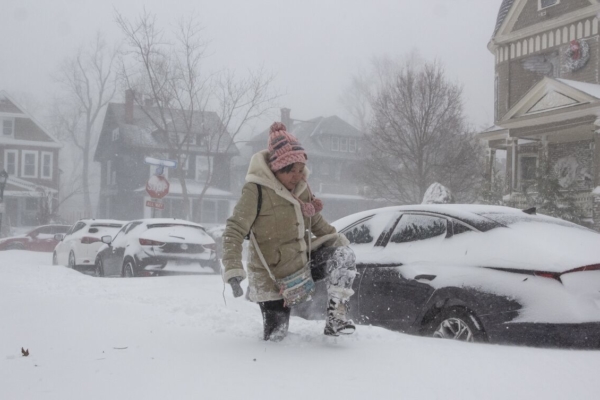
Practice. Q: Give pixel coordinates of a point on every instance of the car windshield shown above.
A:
(105, 225)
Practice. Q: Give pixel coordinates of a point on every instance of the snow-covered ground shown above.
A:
(174, 338)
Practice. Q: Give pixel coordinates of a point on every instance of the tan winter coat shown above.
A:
(280, 230)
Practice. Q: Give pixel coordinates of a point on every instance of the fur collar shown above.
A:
(259, 172)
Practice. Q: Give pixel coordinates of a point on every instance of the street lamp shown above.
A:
(3, 179)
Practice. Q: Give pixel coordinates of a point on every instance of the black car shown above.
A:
(157, 246)
(473, 273)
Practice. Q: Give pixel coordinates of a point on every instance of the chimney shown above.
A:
(285, 118)
(129, 106)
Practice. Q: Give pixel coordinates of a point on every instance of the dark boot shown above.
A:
(276, 320)
(337, 313)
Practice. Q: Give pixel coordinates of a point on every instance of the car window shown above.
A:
(413, 227)
(368, 229)
(78, 226)
(129, 227)
(458, 228)
(44, 229)
(60, 228)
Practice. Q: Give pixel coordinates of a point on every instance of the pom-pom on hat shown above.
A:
(284, 148)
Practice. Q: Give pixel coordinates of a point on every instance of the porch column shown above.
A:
(491, 154)
(596, 169)
(515, 164)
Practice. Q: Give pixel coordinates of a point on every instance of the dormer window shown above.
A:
(543, 4)
(335, 143)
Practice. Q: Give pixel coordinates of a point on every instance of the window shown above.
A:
(344, 144)
(47, 165)
(10, 161)
(8, 127)
(115, 134)
(335, 143)
(352, 145)
(547, 3)
(209, 211)
(528, 167)
(201, 140)
(360, 233)
(458, 228)
(203, 168)
(31, 204)
(30, 164)
(413, 227)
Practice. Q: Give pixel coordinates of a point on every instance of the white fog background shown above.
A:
(314, 47)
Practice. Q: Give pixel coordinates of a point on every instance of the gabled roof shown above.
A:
(554, 97)
(143, 133)
(313, 132)
(8, 106)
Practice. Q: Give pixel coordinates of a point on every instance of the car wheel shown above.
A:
(128, 269)
(98, 268)
(457, 323)
(54, 259)
(71, 262)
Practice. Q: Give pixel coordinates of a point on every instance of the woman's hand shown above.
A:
(235, 286)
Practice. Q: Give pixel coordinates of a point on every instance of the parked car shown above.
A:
(38, 239)
(474, 273)
(78, 247)
(157, 246)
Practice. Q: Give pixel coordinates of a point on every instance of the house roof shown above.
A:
(312, 134)
(502, 13)
(9, 106)
(142, 132)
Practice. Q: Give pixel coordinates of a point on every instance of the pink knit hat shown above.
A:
(284, 148)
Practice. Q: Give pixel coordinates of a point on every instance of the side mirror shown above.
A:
(59, 237)
(106, 239)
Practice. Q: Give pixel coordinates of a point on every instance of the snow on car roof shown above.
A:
(100, 222)
(469, 212)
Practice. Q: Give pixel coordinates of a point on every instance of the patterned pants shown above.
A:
(335, 264)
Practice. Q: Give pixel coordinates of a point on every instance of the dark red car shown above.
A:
(39, 239)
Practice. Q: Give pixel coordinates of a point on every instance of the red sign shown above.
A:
(157, 186)
(155, 204)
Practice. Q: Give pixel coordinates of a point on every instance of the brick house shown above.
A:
(334, 154)
(547, 96)
(128, 136)
(29, 154)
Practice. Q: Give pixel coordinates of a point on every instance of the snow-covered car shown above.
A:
(78, 247)
(474, 273)
(39, 239)
(157, 246)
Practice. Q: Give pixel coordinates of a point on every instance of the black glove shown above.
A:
(235, 286)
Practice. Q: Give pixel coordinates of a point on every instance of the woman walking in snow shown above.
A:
(278, 208)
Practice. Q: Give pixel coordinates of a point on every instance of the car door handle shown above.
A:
(426, 277)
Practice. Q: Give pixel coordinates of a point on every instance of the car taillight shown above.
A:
(551, 275)
(211, 246)
(148, 242)
(89, 240)
(592, 267)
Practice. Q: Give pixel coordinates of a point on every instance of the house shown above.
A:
(30, 157)
(128, 136)
(334, 155)
(547, 97)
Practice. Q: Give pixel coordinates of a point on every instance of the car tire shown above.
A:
(54, 259)
(457, 323)
(71, 263)
(128, 269)
(98, 268)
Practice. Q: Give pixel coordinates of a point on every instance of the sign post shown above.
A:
(157, 186)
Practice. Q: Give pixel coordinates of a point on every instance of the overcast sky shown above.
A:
(313, 46)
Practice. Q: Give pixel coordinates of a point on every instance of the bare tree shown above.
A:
(88, 83)
(175, 92)
(418, 135)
